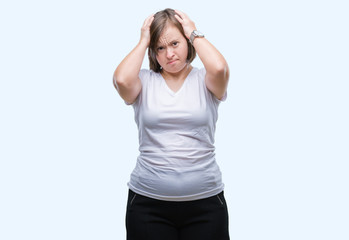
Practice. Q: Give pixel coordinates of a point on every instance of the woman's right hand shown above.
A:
(145, 30)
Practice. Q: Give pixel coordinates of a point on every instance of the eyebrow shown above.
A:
(159, 44)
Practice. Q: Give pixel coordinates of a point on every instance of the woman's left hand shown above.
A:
(187, 24)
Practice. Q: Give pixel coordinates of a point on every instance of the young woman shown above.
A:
(176, 189)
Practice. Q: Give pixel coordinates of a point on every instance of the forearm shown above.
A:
(217, 70)
(127, 72)
(211, 58)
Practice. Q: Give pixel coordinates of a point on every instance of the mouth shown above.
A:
(171, 62)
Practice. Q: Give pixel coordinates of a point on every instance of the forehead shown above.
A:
(169, 34)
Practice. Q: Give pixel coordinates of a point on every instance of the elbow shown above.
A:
(116, 81)
(221, 67)
(222, 70)
(216, 65)
(119, 80)
(124, 79)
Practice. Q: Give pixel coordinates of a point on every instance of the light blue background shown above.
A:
(69, 143)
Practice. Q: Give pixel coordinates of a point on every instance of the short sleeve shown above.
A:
(202, 74)
(143, 76)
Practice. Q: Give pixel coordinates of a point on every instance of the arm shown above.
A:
(217, 70)
(126, 79)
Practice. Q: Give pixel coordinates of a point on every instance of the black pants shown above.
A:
(151, 219)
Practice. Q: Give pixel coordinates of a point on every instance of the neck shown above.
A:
(182, 74)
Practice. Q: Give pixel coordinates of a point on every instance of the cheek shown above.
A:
(158, 58)
(184, 50)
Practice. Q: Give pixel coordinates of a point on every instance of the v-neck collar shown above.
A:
(169, 90)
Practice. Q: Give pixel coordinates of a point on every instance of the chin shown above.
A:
(175, 69)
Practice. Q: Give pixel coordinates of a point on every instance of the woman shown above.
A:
(175, 190)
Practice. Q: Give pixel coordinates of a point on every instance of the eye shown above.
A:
(175, 43)
(160, 49)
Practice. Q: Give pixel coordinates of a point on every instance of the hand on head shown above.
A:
(187, 24)
(145, 30)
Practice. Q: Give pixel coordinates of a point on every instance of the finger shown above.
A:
(181, 14)
(178, 18)
(148, 20)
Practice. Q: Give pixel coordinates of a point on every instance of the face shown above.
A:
(172, 50)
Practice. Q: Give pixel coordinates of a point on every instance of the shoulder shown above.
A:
(199, 74)
(146, 75)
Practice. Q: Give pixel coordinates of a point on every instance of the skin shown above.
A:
(217, 70)
(172, 52)
(126, 79)
(172, 59)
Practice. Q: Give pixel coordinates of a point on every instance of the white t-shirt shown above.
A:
(176, 139)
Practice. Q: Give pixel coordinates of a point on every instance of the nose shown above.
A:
(169, 53)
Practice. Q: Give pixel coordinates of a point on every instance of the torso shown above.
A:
(176, 126)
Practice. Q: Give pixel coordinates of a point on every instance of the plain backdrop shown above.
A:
(68, 143)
